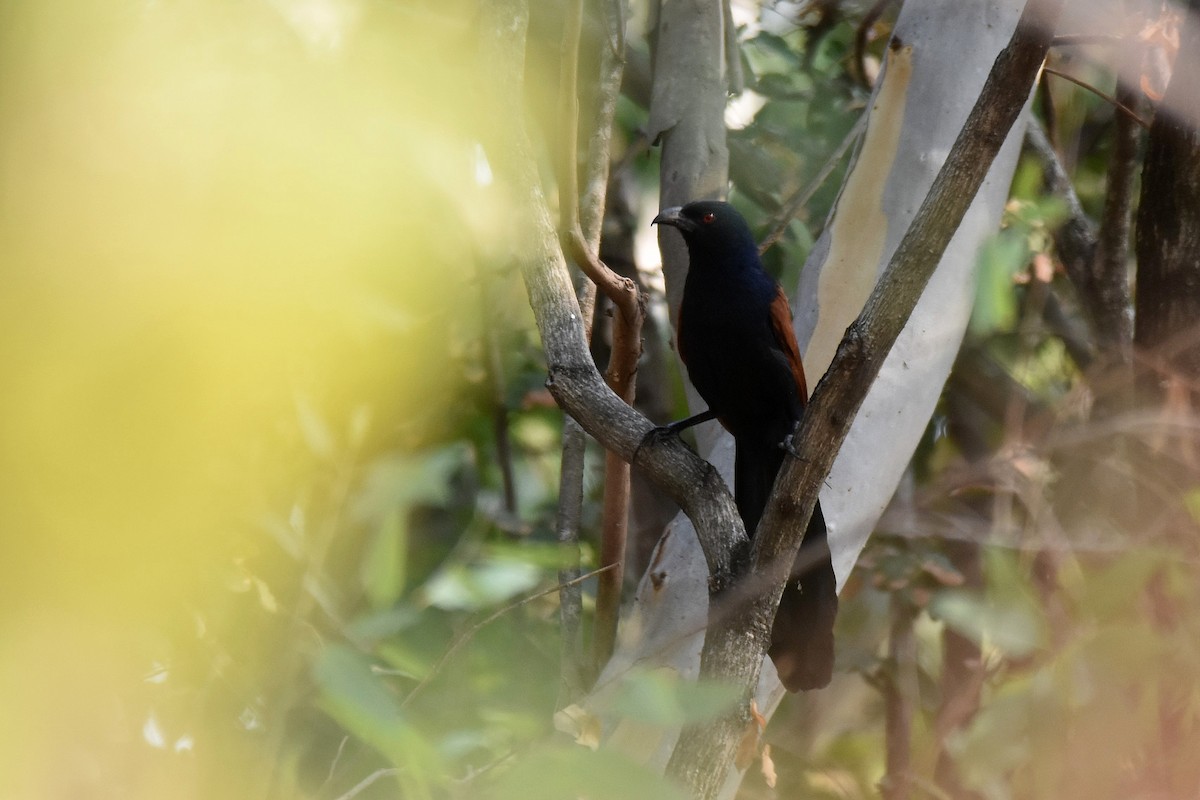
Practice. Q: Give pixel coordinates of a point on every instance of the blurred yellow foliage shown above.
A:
(207, 211)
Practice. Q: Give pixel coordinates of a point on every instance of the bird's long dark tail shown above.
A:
(802, 637)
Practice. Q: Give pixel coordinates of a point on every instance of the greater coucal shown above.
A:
(734, 334)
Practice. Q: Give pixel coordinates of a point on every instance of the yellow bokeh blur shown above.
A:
(211, 214)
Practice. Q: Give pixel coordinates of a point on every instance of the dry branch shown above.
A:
(1110, 271)
(899, 683)
(734, 644)
(573, 378)
(580, 231)
(1168, 220)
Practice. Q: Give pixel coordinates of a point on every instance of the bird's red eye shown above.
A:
(708, 218)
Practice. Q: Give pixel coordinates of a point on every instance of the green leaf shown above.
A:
(460, 587)
(566, 772)
(1013, 627)
(357, 698)
(383, 568)
(393, 485)
(402, 480)
(661, 697)
(768, 53)
(998, 741)
(788, 86)
(995, 301)
(385, 623)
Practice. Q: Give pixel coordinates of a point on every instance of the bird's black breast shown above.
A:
(733, 358)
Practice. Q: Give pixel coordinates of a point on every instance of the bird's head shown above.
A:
(710, 228)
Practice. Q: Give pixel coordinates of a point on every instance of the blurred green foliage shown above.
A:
(261, 336)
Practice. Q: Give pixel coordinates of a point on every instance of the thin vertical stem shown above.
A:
(899, 689)
(580, 223)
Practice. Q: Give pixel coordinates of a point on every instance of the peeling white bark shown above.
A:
(929, 86)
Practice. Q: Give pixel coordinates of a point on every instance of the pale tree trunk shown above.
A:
(936, 68)
(932, 81)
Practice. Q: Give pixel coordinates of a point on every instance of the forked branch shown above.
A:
(734, 643)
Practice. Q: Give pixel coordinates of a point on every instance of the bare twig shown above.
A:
(1075, 241)
(1057, 179)
(615, 532)
(570, 597)
(573, 379)
(796, 203)
(1108, 98)
(1110, 265)
(568, 102)
(292, 665)
(583, 248)
(567, 525)
(333, 764)
(898, 684)
(469, 634)
(703, 751)
(1045, 102)
(962, 673)
(1168, 219)
(1070, 329)
(495, 373)
(1078, 39)
(366, 782)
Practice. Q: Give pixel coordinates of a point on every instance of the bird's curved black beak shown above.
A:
(674, 217)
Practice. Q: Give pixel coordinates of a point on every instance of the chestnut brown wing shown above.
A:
(781, 326)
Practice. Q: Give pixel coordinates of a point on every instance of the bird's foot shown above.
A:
(789, 442)
(661, 432)
(653, 436)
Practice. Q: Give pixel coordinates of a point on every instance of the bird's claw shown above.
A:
(653, 436)
(789, 443)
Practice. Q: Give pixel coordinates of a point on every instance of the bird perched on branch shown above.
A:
(734, 334)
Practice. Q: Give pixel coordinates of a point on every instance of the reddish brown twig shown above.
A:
(1108, 98)
(470, 632)
(626, 324)
(797, 202)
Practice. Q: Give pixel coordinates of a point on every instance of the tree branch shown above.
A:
(1168, 220)
(1109, 267)
(1108, 98)
(469, 634)
(899, 685)
(581, 238)
(733, 649)
(796, 203)
(573, 378)
(1075, 241)
(567, 524)
(570, 596)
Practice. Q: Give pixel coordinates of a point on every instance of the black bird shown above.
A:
(734, 334)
